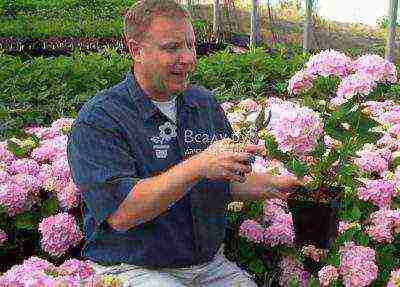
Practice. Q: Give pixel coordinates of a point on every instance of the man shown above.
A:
(153, 159)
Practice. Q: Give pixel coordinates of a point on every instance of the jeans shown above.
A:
(219, 272)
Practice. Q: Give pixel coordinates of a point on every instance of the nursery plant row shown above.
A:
(40, 90)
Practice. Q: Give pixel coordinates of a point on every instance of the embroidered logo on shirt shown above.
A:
(167, 132)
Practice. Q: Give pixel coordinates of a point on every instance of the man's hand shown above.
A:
(227, 160)
(284, 185)
(261, 186)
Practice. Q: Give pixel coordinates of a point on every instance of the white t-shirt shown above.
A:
(168, 108)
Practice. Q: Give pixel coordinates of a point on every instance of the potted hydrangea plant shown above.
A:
(317, 134)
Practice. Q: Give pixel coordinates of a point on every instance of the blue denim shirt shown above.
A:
(120, 137)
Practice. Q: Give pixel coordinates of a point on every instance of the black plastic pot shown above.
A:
(207, 48)
(314, 222)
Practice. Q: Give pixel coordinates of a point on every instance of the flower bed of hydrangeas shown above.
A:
(37, 193)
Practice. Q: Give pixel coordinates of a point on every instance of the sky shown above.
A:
(364, 11)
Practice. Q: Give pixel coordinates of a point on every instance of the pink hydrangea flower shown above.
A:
(292, 270)
(375, 67)
(43, 133)
(372, 159)
(389, 142)
(61, 172)
(374, 108)
(313, 252)
(45, 175)
(329, 63)
(226, 106)
(252, 230)
(390, 118)
(18, 275)
(59, 233)
(300, 82)
(296, 129)
(383, 222)
(248, 105)
(327, 275)
(69, 196)
(394, 278)
(260, 165)
(29, 182)
(355, 84)
(15, 198)
(280, 230)
(24, 165)
(3, 237)
(378, 191)
(4, 176)
(6, 155)
(331, 142)
(343, 226)
(357, 265)
(77, 269)
(50, 149)
(62, 124)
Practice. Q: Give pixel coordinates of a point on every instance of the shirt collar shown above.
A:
(146, 107)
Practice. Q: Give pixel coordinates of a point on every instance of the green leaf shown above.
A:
(298, 168)
(313, 283)
(49, 207)
(27, 220)
(355, 213)
(319, 149)
(257, 266)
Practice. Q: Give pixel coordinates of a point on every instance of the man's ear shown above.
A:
(135, 50)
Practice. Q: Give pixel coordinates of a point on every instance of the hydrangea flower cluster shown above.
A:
(357, 265)
(252, 230)
(374, 108)
(291, 269)
(15, 198)
(3, 237)
(343, 226)
(357, 77)
(394, 278)
(378, 191)
(248, 105)
(383, 222)
(355, 84)
(59, 233)
(327, 275)
(372, 159)
(226, 106)
(329, 63)
(34, 272)
(296, 129)
(300, 82)
(376, 68)
(46, 168)
(280, 230)
(314, 253)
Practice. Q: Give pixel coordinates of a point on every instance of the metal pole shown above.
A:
(255, 35)
(307, 26)
(391, 41)
(216, 20)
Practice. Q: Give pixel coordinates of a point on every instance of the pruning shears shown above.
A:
(258, 124)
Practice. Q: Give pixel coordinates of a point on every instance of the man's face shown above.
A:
(169, 54)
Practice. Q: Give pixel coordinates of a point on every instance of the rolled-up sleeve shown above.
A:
(101, 166)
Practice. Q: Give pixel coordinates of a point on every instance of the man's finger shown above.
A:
(242, 156)
(256, 149)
